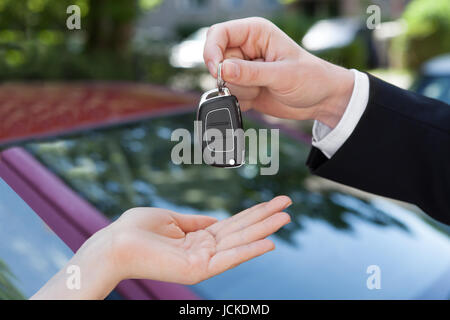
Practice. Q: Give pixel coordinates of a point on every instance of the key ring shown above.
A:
(220, 82)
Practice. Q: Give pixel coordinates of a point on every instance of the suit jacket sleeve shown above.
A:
(400, 149)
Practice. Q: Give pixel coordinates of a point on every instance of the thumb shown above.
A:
(250, 73)
(193, 222)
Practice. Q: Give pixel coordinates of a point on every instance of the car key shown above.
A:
(221, 131)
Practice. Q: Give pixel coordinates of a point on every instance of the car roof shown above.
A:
(35, 110)
(439, 65)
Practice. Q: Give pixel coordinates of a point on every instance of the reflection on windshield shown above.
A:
(30, 253)
(130, 166)
(8, 291)
(322, 254)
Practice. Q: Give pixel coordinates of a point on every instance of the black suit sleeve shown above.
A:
(400, 149)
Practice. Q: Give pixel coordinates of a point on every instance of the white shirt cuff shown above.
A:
(330, 140)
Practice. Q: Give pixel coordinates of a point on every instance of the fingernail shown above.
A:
(287, 218)
(281, 201)
(231, 70)
(212, 68)
(288, 204)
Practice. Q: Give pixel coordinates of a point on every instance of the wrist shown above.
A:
(90, 274)
(99, 272)
(332, 108)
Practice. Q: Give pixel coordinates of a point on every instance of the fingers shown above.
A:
(254, 232)
(233, 53)
(243, 93)
(147, 218)
(262, 210)
(250, 216)
(218, 226)
(267, 105)
(193, 222)
(251, 73)
(231, 258)
(235, 33)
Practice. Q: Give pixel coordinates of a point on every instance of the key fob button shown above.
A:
(221, 112)
(220, 119)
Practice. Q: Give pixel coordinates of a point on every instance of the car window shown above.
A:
(130, 165)
(30, 253)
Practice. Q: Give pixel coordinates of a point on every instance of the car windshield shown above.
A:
(130, 165)
(30, 253)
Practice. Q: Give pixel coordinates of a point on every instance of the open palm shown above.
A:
(164, 245)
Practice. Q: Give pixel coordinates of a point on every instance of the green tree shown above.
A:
(7, 289)
(428, 32)
(35, 42)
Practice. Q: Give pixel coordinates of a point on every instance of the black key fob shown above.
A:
(220, 129)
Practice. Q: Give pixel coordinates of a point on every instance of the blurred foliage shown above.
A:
(355, 55)
(35, 43)
(183, 30)
(7, 289)
(149, 4)
(130, 166)
(427, 35)
(295, 24)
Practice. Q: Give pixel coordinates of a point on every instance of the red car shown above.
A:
(75, 156)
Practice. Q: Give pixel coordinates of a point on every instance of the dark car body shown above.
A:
(84, 167)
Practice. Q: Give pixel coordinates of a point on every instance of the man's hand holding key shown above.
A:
(269, 72)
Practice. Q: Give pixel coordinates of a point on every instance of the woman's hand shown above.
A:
(159, 244)
(269, 72)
